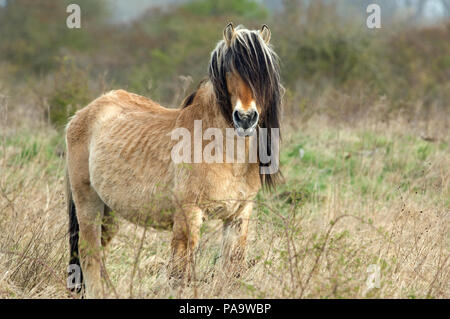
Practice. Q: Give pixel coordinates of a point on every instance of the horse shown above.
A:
(120, 159)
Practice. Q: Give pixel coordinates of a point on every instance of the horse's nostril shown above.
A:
(254, 117)
(236, 116)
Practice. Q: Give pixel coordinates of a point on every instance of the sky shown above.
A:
(126, 10)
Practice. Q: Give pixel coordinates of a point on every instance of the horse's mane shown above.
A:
(188, 100)
(257, 64)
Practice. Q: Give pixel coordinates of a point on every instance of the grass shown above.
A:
(361, 194)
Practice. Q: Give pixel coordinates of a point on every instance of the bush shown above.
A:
(33, 32)
(70, 92)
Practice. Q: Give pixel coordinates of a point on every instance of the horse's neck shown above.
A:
(205, 108)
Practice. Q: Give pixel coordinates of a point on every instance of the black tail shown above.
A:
(74, 263)
(73, 231)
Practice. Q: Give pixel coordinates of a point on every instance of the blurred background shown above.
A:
(161, 49)
(365, 151)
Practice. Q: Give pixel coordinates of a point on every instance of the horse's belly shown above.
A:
(138, 205)
(141, 209)
(139, 198)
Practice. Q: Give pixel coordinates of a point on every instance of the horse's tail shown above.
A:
(74, 230)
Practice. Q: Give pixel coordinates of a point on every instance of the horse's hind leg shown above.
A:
(109, 226)
(90, 210)
(89, 206)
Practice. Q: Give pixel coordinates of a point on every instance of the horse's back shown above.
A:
(122, 147)
(109, 106)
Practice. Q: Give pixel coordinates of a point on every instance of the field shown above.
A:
(355, 195)
(364, 208)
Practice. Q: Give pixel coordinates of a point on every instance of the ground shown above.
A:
(361, 201)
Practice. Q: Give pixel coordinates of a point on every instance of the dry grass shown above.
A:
(362, 194)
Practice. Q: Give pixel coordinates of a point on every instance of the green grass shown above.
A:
(27, 147)
(369, 163)
(359, 196)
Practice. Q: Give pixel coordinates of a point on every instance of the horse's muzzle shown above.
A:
(245, 122)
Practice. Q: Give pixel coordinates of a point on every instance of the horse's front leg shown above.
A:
(186, 234)
(234, 240)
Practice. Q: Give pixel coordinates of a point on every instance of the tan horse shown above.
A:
(120, 159)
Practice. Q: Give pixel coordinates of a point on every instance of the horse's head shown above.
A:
(244, 71)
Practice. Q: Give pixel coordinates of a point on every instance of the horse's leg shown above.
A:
(186, 233)
(110, 226)
(234, 240)
(89, 213)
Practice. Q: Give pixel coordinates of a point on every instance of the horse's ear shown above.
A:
(228, 33)
(265, 33)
